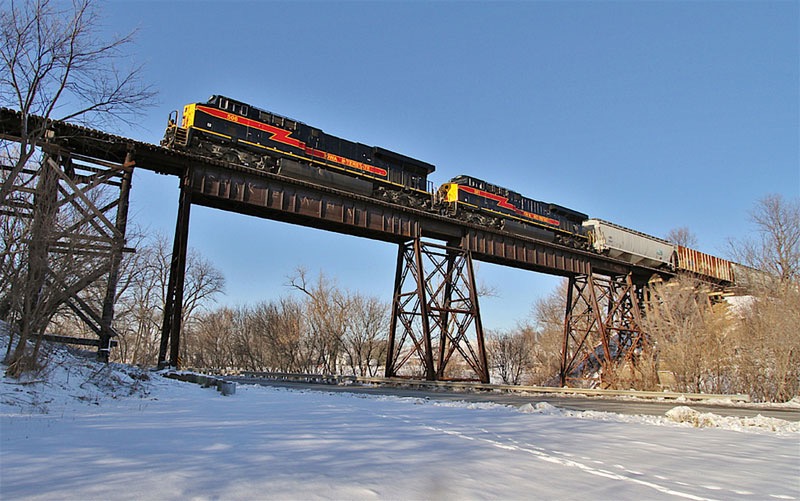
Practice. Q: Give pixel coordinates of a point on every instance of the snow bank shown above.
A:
(96, 431)
(71, 376)
(698, 419)
(682, 416)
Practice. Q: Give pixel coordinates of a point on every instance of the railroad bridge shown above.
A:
(435, 310)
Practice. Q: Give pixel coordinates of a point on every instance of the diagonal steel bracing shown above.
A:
(602, 328)
(435, 315)
(71, 212)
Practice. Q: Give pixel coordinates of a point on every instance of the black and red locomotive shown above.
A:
(245, 135)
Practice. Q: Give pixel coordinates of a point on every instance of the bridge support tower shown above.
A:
(173, 307)
(68, 218)
(603, 333)
(435, 315)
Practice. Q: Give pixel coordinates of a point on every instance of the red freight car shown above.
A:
(704, 264)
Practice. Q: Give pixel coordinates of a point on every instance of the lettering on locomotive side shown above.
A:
(554, 222)
(354, 164)
(232, 117)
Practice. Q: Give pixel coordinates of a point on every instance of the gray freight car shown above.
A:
(629, 245)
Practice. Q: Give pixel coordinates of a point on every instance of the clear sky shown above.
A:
(653, 115)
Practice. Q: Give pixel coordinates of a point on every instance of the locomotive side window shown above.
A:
(223, 104)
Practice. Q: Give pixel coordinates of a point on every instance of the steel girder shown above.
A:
(173, 307)
(435, 310)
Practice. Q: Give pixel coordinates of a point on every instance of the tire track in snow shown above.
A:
(496, 440)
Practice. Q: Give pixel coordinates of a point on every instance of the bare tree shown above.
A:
(511, 354)
(548, 335)
(286, 333)
(366, 335)
(776, 249)
(142, 298)
(216, 338)
(326, 311)
(53, 66)
(682, 236)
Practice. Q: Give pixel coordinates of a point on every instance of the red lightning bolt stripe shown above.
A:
(504, 203)
(277, 134)
(284, 136)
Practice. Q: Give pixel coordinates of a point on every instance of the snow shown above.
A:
(82, 430)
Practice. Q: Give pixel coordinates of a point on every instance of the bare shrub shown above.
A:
(766, 345)
(510, 354)
(548, 315)
(690, 335)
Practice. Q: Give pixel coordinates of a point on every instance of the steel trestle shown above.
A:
(602, 329)
(435, 312)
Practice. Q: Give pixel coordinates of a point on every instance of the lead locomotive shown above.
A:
(241, 134)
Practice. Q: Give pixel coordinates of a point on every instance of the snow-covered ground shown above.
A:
(84, 431)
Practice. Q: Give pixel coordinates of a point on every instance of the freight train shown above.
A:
(238, 133)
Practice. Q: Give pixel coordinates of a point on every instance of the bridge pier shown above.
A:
(435, 310)
(602, 329)
(173, 308)
(78, 215)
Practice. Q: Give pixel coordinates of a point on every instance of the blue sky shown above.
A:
(653, 115)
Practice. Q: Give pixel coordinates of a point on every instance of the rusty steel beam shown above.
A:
(173, 308)
(289, 200)
(603, 330)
